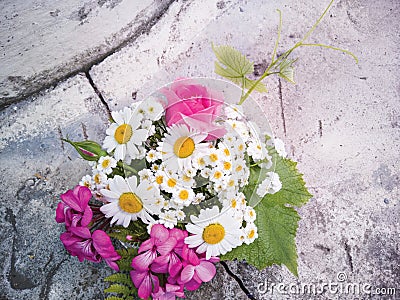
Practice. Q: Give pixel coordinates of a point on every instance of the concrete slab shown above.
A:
(38, 166)
(42, 42)
(341, 122)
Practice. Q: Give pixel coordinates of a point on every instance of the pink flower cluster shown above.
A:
(166, 253)
(75, 212)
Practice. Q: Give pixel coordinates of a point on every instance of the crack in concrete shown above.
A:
(44, 292)
(348, 255)
(17, 280)
(99, 94)
(85, 68)
(281, 103)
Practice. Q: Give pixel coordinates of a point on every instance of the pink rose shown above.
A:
(196, 106)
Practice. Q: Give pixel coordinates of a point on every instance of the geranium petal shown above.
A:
(167, 246)
(206, 271)
(187, 273)
(143, 261)
(159, 233)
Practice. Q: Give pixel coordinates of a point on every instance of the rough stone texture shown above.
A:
(341, 122)
(44, 41)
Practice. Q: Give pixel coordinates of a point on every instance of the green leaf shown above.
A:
(234, 66)
(89, 150)
(276, 221)
(286, 70)
(120, 278)
(114, 298)
(119, 289)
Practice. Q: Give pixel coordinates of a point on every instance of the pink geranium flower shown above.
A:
(194, 275)
(196, 106)
(159, 242)
(81, 243)
(145, 282)
(169, 292)
(74, 209)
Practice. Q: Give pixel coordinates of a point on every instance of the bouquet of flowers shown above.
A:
(184, 179)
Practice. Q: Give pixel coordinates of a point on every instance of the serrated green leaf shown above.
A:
(120, 278)
(234, 66)
(119, 289)
(286, 70)
(275, 244)
(114, 298)
(276, 222)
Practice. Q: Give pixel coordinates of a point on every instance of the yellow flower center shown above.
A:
(183, 195)
(227, 165)
(97, 178)
(241, 147)
(123, 133)
(105, 163)
(213, 233)
(184, 147)
(251, 234)
(239, 168)
(213, 157)
(226, 152)
(171, 182)
(233, 203)
(130, 203)
(217, 175)
(159, 179)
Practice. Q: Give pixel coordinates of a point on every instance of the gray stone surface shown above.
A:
(42, 42)
(341, 122)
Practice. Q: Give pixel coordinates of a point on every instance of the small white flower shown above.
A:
(106, 164)
(249, 214)
(234, 111)
(183, 197)
(152, 109)
(100, 179)
(270, 185)
(256, 150)
(145, 174)
(152, 156)
(169, 219)
(198, 198)
(87, 181)
(280, 147)
(250, 233)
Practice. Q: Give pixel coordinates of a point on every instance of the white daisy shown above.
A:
(123, 136)
(249, 214)
(213, 233)
(152, 109)
(198, 198)
(169, 219)
(270, 185)
(181, 146)
(100, 179)
(152, 155)
(87, 181)
(129, 201)
(145, 174)
(250, 233)
(234, 111)
(106, 164)
(256, 150)
(183, 197)
(280, 147)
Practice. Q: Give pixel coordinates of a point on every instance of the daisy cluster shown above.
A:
(181, 165)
